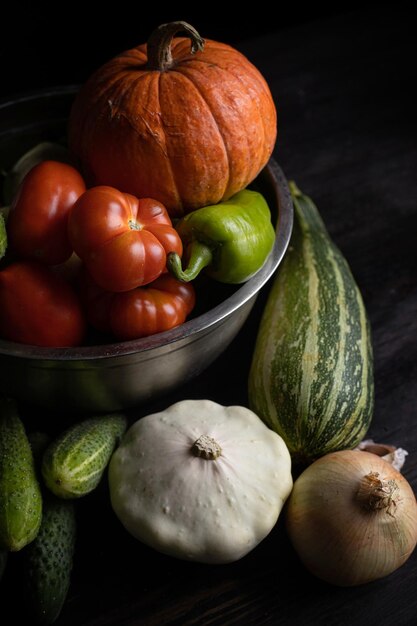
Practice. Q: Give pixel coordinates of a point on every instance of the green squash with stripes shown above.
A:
(311, 378)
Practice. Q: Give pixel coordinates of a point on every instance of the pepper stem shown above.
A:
(206, 447)
(376, 494)
(200, 256)
(159, 44)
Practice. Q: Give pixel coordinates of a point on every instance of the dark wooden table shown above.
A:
(348, 136)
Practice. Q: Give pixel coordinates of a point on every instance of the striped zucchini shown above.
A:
(311, 378)
(74, 463)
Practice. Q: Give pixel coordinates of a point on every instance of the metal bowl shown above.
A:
(113, 376)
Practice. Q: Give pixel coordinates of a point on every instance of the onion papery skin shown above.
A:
(334, 535)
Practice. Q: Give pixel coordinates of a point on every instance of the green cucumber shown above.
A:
(74, 463)
(20, 494)
(47, 561)
(311, 378)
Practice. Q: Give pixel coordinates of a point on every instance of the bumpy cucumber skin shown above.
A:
(74, 463)
(48, 560)
(20, 494)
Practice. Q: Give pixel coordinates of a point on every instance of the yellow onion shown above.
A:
(352, 518)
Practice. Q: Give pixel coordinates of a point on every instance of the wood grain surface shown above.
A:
(348, 136)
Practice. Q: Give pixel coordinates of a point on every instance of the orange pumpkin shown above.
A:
(188, 127)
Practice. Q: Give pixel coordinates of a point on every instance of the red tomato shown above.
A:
(144, 311)
(39, 308)
(122, 240)
(37, 225)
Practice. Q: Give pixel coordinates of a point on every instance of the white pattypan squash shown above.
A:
(200, 481)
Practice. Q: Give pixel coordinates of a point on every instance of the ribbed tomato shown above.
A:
(161, 305)
(122, 240)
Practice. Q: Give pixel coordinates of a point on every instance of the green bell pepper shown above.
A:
(232, 239)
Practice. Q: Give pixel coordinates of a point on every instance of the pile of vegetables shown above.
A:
(146, 145)
(197, 481)
(98, 256)
(38, 480)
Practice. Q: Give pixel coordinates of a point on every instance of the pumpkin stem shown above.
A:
(376, 494)
(200, 256)
(206, 447)
(159, 44)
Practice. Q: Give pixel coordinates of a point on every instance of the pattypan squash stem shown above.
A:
(200, 256)
(206, 447)
(159, 44)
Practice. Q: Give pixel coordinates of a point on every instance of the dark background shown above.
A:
(42, 45)
(343, 82)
